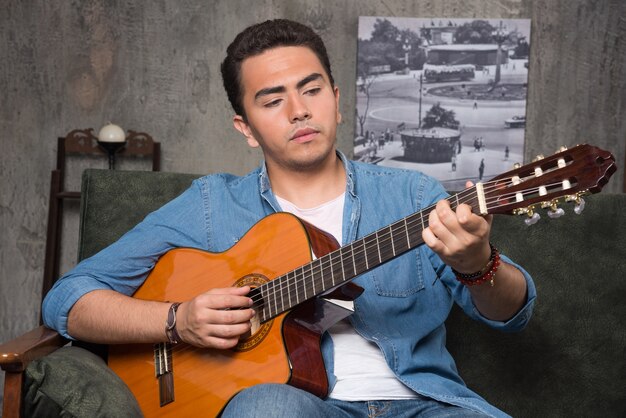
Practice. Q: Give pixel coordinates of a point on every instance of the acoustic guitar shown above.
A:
(293, 293)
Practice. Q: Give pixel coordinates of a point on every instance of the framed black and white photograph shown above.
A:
(443, 96)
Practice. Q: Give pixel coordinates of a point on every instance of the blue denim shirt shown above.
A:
(405, 301)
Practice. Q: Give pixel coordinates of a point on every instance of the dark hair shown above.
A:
(257, 39)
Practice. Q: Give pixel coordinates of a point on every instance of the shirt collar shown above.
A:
(264, 180)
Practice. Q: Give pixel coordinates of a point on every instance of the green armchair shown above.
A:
(570, 361)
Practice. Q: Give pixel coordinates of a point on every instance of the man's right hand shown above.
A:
(215, 319)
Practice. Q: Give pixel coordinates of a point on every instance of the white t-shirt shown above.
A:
(360, 367)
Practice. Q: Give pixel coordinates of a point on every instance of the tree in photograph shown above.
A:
(438, 117)
(384, 31)
(387, 48)
(364, 83)
(499, 36)
(522, 50)
(474, 32)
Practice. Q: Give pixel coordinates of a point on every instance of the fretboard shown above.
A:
(348, 262)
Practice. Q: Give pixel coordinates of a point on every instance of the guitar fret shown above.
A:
(346, 266)
(315, 277)
(408, 238)
(332, 270)
(380, 260)
(369, 252)
(265, 305)
(384, 247)
(362, 257)
(288, 290)
(274, 298)
(402, 234)
(295, 282)
(367, 264)
(352, 255)
(264, 296)
(337, 267)
(304, 283)
(281, 292)
(318, 282)
(393, 247)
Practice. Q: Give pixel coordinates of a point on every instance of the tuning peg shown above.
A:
(538, 157)
(533, 218)
(556, 213)
(580, 206)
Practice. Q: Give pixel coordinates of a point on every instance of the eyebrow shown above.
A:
(281, 89)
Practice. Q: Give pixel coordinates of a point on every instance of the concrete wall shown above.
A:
(154, 67)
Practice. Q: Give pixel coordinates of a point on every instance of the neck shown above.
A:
(310, 188)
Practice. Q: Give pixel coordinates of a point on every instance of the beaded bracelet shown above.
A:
(486, 274)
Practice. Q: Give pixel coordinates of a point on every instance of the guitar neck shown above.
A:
(350, 261)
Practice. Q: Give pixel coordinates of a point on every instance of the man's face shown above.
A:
(292, 109)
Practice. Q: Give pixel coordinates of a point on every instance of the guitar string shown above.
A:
(321, 267)
(300, 274)
(385, 235)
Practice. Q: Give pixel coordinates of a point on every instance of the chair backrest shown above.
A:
(113, 201)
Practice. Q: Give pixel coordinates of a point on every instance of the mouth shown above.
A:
(304, 135)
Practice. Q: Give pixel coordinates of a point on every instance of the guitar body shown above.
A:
(285, 349)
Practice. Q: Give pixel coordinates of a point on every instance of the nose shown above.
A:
(299, 110)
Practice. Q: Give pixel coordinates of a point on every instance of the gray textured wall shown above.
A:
(154, 66)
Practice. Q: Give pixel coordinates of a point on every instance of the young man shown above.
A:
(389, 357)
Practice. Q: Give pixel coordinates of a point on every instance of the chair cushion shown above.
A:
(73, 382)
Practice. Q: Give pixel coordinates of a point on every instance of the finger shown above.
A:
(219, 343)
(240, 291)
(431, 240)
(229, 317)
(229, 331)
(443, 222)
(217, 299)
(469, 221)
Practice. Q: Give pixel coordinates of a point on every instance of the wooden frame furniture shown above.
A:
(82, 142)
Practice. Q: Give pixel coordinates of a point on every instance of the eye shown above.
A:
(272, 103)
(313, 91)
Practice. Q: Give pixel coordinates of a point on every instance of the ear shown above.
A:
(242, 126)
(336, 91)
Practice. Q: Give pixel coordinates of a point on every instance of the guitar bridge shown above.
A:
(164, 372)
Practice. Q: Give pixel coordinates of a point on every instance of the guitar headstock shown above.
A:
(546, 182)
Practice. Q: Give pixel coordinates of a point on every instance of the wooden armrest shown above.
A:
(17, 353)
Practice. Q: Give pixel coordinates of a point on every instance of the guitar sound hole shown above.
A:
(259, 330)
